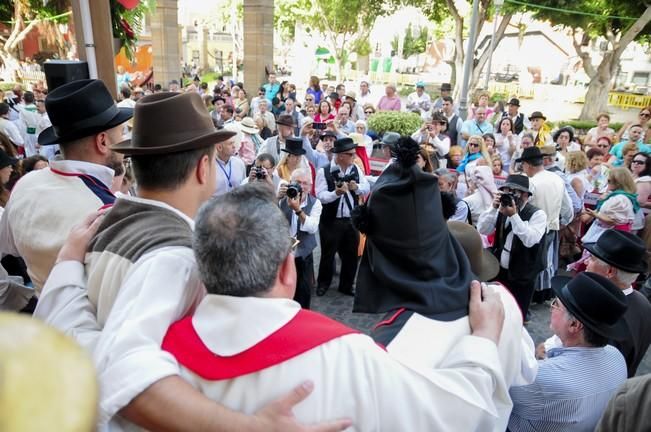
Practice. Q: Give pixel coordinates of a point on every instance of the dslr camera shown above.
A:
(260, 173)
(340, 180)
(294, 190)
(507, 200)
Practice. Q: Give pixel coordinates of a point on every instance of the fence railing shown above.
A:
(627, 100)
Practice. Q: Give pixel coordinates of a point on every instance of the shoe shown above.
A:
(348, 292)
(320, 291)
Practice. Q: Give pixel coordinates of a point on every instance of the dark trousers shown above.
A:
(339, 237)
(522, 290)
(304, 280)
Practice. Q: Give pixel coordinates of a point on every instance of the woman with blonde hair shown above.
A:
(475, 150)
(576, 163)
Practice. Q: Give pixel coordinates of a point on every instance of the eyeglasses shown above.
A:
(473, 144)
(645, 114)
(638, 162)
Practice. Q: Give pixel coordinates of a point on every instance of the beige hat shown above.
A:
(549, 150)
(352, 95)
(47, 382)
(247, 125)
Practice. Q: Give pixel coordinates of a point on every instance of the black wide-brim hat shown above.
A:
(6, 160)
(171, 122)
(595, 301)
(343, 144)
(621, 250)
(294, 146)
(410, 259)
(79, 109)
(529, 154)
(285, 120)
(537, 114)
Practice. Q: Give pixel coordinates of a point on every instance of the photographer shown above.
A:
(263, 170)
(433, 134)
(303, 212)
(519, 228)
(338, 187)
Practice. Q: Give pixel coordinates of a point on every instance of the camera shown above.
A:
(319, 126)
(507, 200)
(294, 190)
(340, 180)
(260, 173)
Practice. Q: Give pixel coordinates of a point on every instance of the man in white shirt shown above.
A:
(343, 121)
(549, 196)
(518, 228)
(303, 212)
(9, 127)
(63, 194)
(263, 111)
(419, 100)
(255, 102)
(142, 277)
(364, 94)
(254, 342)
(231, 170)
(339, 187)
(28, 123)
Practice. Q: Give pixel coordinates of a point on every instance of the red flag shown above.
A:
(129, 4)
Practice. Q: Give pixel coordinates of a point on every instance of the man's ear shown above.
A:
(287, 275)
(101, 143)
(203, 169)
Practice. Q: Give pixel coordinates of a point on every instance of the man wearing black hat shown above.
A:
(539, 130)
(621, 257)
(273, 145)
(548, 195)
(446, 91)
(519, 227)
(576, 381)
(47, 203)
(339, 187)
(520, 121)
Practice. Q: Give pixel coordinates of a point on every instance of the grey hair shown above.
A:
(623, 277)
(240, 240)
(528, 135)
(301, 172)
(448, 175)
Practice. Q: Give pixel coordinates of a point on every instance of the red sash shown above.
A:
(305, 331)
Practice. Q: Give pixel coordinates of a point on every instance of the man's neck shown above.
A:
(224, 158)
(181, 199)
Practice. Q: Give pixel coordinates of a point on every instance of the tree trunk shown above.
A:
(458, 59)
(596, 99)
(483, 59)
(11, 65)
(363, 62)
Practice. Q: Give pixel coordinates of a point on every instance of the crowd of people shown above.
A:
(172, 234)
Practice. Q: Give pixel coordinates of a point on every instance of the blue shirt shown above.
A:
(270, 90)
(617, 149)
(471, 127)
(571, 390)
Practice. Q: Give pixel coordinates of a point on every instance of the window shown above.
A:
(640, 78)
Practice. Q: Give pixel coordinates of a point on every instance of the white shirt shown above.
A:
(548, 196)
(529, 232)
(10, 129)
(126, 103)
(326, 196)
(229, 174)
(161, 287)
(440, 142)
(352, 376)
(421, 103)
(311, 223)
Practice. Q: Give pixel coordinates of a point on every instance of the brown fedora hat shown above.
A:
(170, 123)
(483, 263)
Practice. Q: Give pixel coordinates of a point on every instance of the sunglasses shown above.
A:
(638, 162)
(473, 144)
(645, 114)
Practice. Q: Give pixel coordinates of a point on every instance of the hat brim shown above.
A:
(515, 186)
(249, 130)
(294, 152)
(344, 148)
(490, 266)
(49, 136)
(617, 331)
(533, 118)
(286, 124)
(126, 147)
(598, 252)
(527, 159)
(514, 104)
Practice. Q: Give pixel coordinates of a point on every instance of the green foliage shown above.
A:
(4, 86)
(361, 46)
(128, 24)
(594, 26)
(584, 125)
(394, 121)
(37, 9)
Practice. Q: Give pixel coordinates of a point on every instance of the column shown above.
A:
(165, 42)
(258, 42)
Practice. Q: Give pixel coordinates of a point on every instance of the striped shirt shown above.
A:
(571, 390)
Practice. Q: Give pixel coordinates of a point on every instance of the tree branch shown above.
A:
(19, 38)
(499, 35)
(453, 10)
(586, 59)
(633, 31)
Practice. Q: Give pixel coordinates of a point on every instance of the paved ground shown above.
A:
(339, 307)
